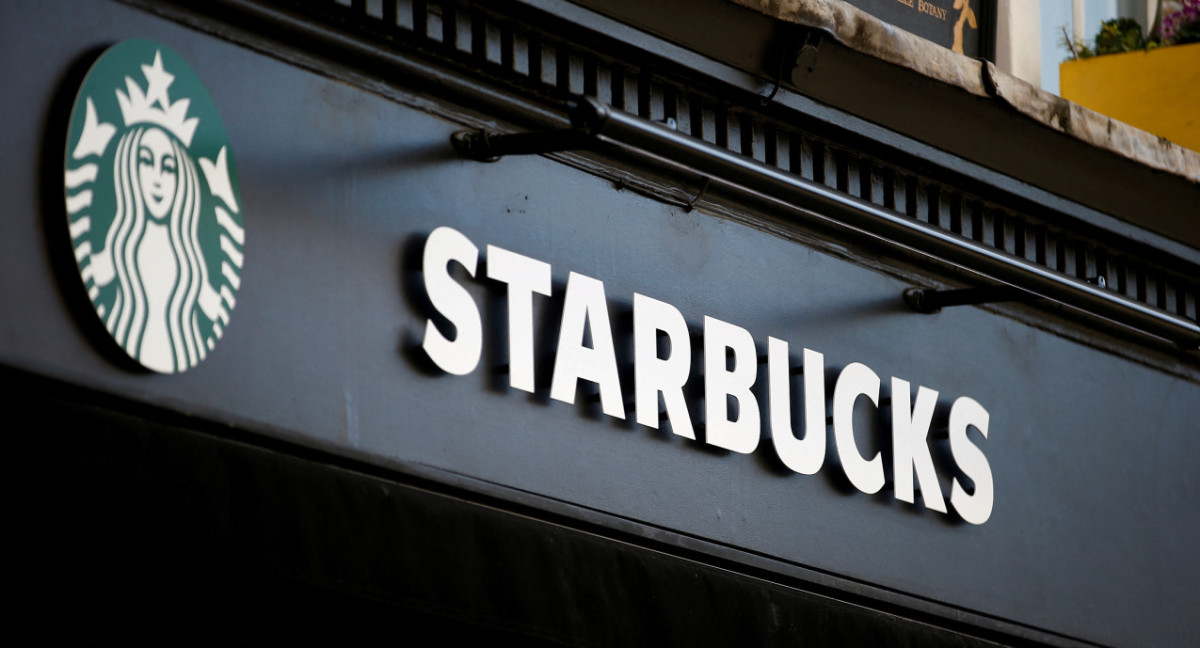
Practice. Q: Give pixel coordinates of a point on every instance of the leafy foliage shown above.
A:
(1177, 27)
(1119, 35)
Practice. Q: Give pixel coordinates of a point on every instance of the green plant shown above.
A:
(1078, 48)
(1180, 24)
(1125, 35)
(1119, 35)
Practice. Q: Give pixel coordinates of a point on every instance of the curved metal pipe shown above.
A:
(593, 117)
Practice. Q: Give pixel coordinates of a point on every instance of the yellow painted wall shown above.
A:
(1157, 91)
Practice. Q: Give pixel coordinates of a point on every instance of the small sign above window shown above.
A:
(964, 26)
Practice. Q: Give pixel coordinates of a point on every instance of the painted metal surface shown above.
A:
(593, 118)
(228, 537)
(1094, 526)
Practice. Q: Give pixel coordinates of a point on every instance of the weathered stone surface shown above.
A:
(867, 34)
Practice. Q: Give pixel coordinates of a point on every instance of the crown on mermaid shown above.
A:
(154, 105)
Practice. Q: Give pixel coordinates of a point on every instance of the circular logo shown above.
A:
(153, 206)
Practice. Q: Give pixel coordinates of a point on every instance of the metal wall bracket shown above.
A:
(932, 301)
(794, 62)
(490, 146)
(594, 123)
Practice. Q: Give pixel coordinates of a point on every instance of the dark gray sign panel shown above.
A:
(1092, 530)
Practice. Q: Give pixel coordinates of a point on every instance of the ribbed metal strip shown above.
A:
(547, 65)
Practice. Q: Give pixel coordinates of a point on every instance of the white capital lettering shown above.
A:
(855, 380)
(584, 305)
(806, 455)
(719, 382)
(910, 445)
(461, 355)
(524, 276)
(974, 508)
(654, 375)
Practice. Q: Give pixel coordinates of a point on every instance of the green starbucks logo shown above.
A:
(153, 206)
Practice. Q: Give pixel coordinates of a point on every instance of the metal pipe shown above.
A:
(933, 301)
(597, 119)
(489, 146)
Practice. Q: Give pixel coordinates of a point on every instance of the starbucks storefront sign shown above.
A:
(153, 207)
(732, 413)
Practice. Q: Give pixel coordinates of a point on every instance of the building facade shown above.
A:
(588, 323)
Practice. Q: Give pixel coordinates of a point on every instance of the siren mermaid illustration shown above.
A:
(152, 247)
